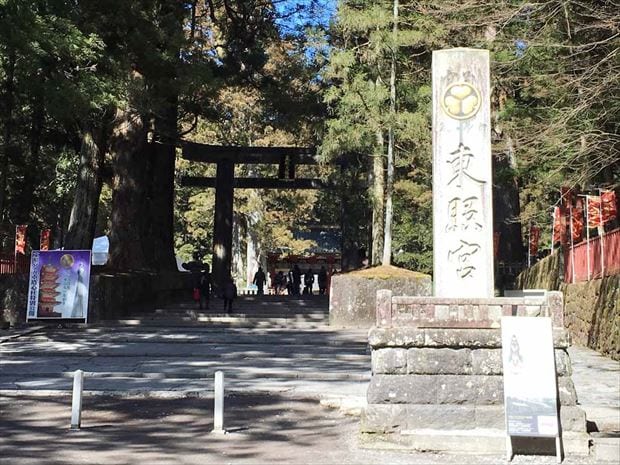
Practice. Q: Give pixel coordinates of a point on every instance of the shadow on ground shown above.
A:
(263, 429)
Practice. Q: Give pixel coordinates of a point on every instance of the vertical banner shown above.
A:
(609, 210)
(20, 239)
(594, 211)
(462, 180)
(557, 226)
(534, 240)
(59, 284)
(530, 394)
(44, 243)
(577, 221)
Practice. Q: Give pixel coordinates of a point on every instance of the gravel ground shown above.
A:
(262, 429)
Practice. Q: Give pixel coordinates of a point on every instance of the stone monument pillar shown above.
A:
(437, 374)
(462, 175)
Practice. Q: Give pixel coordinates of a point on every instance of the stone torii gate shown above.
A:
(226, 157)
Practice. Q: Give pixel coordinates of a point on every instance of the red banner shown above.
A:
(45, 239)
(534, 238)
(594, 211)
(496, 237)
(608, 199)
(20, 239)
(577, 220)
(557, 225)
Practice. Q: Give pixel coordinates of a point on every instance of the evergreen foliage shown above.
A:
(85, 85)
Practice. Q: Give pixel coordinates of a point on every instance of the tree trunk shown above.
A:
(5, 152)
(387, 242)
(159, 234)
(128, 216)
(164, 91)
(83, 219)
(378, 191)
(31, 176)
(506, 207)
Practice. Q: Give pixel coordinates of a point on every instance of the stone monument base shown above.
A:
(474, 442)
(437, 379)
(352, 295)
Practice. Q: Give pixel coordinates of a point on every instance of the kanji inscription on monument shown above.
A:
(462, 176)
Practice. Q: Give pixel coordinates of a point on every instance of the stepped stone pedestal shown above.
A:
(437, 375)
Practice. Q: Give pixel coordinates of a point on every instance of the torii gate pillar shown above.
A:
(223, 227)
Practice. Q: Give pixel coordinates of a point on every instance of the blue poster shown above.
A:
(58, 285)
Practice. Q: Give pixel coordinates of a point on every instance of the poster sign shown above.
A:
(59, 281)
(530, 394)
(20, 239)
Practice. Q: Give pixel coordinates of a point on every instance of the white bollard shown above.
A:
(218, 400)
(76, 403)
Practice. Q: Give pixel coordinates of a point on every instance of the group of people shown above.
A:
(291, 281)
(203, 286)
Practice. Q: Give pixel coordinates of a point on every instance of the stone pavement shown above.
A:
(279, 356)
(269, 344)
(269, 428)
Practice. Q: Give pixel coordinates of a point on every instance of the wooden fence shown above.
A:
(12, 264)
(605, 264)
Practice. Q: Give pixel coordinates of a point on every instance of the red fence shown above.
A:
(598, 267)
(11, 264)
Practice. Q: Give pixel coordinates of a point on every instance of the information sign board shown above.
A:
(59, 284)
(530, 392)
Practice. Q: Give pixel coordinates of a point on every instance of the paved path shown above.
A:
(269, 344)
(279, 358)
(597, 380)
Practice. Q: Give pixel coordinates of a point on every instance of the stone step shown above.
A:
(317, 385)
(232, 373)
(238, 310)
(224, 321)
(197, 349)
(208, 336)
(606, 447)
(28, 366)
(195, 315)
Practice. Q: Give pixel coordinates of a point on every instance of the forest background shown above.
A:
(88, 86)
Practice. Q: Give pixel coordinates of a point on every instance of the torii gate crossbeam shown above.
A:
(225, 157)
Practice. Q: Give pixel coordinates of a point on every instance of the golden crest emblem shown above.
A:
(461, 100)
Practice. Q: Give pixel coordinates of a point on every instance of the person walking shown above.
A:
(308, 281)
(260, 280)
(289, 281)
(229, 293)
(280, 283)
(296, 280)
(195, 267)
(322, 279)
(205, 288)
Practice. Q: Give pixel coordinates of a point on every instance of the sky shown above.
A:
(306, 13)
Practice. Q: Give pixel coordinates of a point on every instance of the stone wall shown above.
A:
(352, 296)
(13, 291)
(592, 314)
(592, 309)
(546, 274)
(115, 295)
(112, 295)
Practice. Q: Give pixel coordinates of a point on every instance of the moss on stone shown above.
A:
(386, 272)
